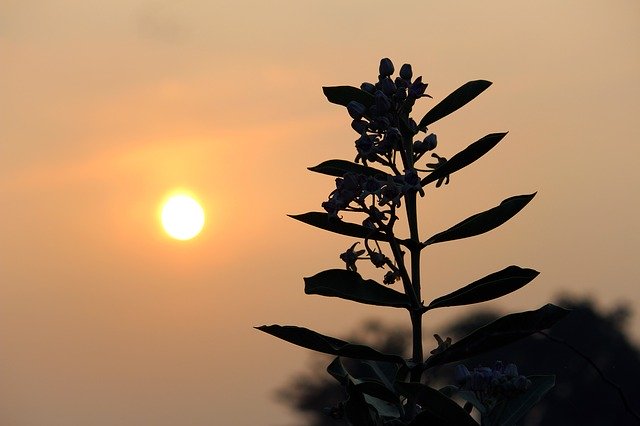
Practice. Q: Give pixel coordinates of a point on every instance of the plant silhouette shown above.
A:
(388, 173)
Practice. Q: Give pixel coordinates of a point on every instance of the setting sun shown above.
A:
(182, 217)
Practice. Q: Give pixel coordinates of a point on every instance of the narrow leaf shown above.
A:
(483, 222)
(518, 406)
(323, 221)
(464, 157)
(438, 409)
(351, 286)
(358, 411)
(490, 287)
(342, 95)
(368, 386)
(457, 99)
(500, 332)
(326, 344)
(338, 168)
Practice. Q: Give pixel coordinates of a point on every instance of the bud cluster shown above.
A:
(492, 384)
(385, 132)
(380, 123)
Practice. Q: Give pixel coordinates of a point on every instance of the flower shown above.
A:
(351, 256)
(391, 277)
(417, 88)
(356, 110)
(435, 166)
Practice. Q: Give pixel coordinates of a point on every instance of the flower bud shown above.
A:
(511, 370)
(356, 110)
(393, 136)
(390, 277)
(461, 374)
(368, 87)
(388, 86)
(359, 126)
(401, 83)
(382, 103)
(521, 383)
(430, 142)
(378, 259)
(386, 67)
(406, 72)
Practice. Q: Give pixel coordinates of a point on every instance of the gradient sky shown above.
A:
(105, 107)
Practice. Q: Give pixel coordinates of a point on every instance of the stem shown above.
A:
(416, 315)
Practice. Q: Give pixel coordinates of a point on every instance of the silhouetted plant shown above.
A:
(390, 391)
(580, 397)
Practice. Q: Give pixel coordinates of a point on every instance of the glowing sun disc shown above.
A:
(182, 217)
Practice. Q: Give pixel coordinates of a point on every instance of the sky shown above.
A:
(106, 107)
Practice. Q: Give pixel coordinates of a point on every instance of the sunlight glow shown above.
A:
(182, 217)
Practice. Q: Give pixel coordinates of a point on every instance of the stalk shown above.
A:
(416, 314)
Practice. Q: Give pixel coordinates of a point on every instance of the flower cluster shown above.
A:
(491, 385)
(386, 131)
(385, 122)
(375, 255)
(352, 191)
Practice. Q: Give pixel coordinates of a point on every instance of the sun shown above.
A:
(182, 217)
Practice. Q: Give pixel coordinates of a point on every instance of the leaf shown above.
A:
(500, 332)
(342, 95)
(351, 286)
(490, 287)
(323, 221)
(518, 406)
(457, 99)
(472, 397)
(338, 168)
(358, 411)
(386, 372)
(438, 409)
(326, 344)
(464, 157)
(483, 222)
(370, 387)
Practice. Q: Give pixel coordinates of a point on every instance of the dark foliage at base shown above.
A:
(580, 396)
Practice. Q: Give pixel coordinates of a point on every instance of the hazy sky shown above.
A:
(105, 107)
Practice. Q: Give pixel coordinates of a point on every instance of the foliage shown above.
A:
(599, 334)
(385, 175)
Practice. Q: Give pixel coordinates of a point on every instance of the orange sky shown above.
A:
(106, 107)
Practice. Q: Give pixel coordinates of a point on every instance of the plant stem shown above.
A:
(416, 315)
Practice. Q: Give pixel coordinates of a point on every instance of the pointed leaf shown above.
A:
(351, 286)
(338, 371)
(386, 372)
(490, 287)
(472, 397)
(438, 409)
(385, 408)
(323, 221)
(502, 331)
(457, 99)
(326, 344)
(358, 411)
(464, 157)
(483, 222)
(342, 95)
(518, 406)
(367, 386)
(338, 168)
